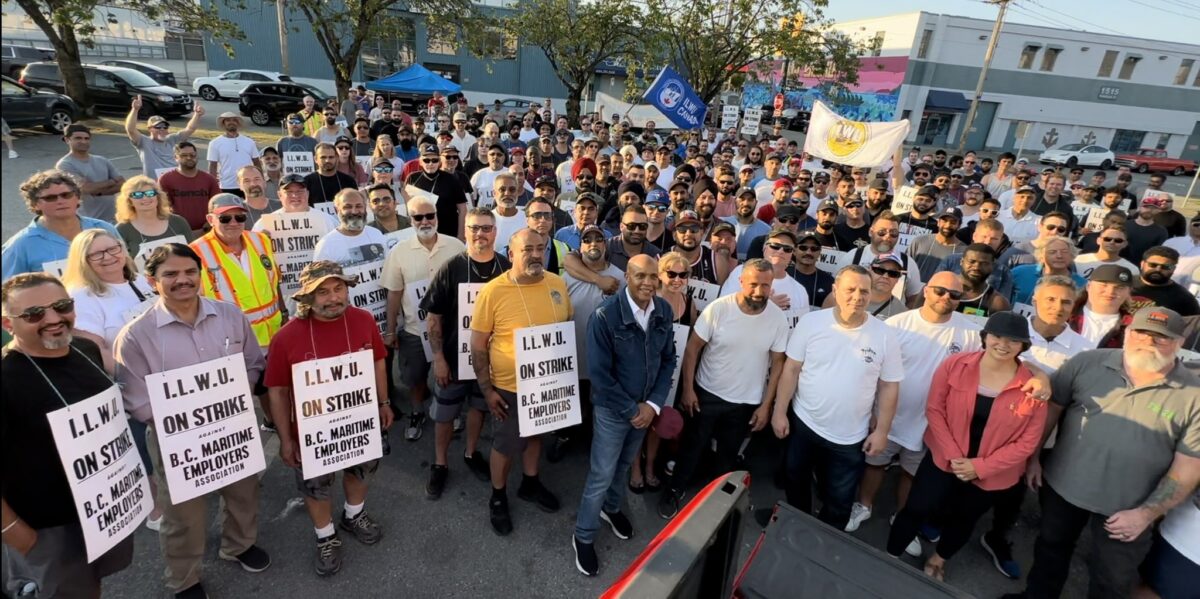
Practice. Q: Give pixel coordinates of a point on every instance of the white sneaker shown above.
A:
(154, 523)
(859, 513)
(13, 154)
(914, 548)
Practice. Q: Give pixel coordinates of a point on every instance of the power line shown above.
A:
(1075, 18)
(1182, 4)
(1040, 18)
(1170, 12)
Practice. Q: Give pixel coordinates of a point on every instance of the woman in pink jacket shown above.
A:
(982, 428)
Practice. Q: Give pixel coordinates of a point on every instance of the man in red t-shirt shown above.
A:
(188, 187)
(326, 326)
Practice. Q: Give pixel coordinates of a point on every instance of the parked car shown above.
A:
(113, 88)
(1151, 159)
(266, 103)
(1079, 155)
(231, 83)
(154, 72)
(14, 58)
(27, 107)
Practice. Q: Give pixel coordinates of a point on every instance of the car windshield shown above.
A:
(284, 78)
(1147, 152)
(1071, 147)
(317, 94)
(136, 78)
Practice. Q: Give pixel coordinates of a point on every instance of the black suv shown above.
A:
(113, 88)
(16, 57)
(269, 102)
(25, 107)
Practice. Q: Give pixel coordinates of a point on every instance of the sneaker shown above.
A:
(1002, 558)
(668, 503)
(501, 521)
(621, 526)
(14, 154)
(154, 523)
(459, 424)
(329, 555)
(478, 466)
(267, 427)
(558, 449)
(859, 513)
(914, 548)
(539, 494)
(930, 533)
(585, 556)
(366, 530)
(195, 591)
(252, 559)
(437, 481)
(416, 426)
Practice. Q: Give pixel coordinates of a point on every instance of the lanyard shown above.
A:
(51, 383)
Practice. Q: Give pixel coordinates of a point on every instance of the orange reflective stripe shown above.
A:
(222, 286)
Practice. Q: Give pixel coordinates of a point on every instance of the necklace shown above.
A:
(471, 269)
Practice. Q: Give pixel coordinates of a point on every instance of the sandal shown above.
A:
(653, 484)
(636, 489)
(936, 571)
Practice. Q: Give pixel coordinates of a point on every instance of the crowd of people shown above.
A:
(947, 314)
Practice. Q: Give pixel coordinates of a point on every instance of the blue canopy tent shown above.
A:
(416, 79)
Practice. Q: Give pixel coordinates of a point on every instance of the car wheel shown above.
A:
(58, 120)
(260, 116)
(1107, 164)
(1178, 172)
(1072, 161)
(209, 93)
(1143, 168)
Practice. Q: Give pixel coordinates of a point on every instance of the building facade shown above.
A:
(1068, 86)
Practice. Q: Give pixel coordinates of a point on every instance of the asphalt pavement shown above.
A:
(446, 548)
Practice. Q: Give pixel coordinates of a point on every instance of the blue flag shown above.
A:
(671, 95)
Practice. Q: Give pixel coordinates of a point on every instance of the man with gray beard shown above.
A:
(43, 369)
(353, 242)
(1128, 451)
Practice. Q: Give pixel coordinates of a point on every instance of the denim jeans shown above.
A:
(615, 444)
(838, 469)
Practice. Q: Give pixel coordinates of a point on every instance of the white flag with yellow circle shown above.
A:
(855, 143)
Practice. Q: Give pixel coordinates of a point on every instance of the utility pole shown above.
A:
(280, 14)
(987, 61)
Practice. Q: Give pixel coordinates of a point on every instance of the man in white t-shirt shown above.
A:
(293, 194)
(230, 152)
(484, 179)
(352, 243)
(927, 335)
(728, 389)
(1111, 240)
(786, 291)
(509, 219)
(843, 365)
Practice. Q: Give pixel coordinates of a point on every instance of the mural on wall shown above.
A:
(872, 99)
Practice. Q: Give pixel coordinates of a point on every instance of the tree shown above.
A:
(577, 36)
(69, 24)
(712, 41)
(342, 27)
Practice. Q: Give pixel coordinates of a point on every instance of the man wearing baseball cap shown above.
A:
(1118, 472)
(156, 150)
(230, 152)
(586, 207)
(452, 199)
(781, 194)
(929, 250)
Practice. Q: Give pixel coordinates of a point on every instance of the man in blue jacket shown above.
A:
(632, 341)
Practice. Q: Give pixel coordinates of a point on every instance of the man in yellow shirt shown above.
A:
(525, 296)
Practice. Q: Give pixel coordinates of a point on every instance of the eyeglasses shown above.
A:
(416, 218)
(687, 229)
(225, 219)
(788, 220)
(636, 226)
(1156, 338)
(1056, 228)
(481, 228)
(656, 208)
(671, 274)
(781, 247)
(883, 272)
(114, 251)
(1116, 240)
(430, 160)
(54, 197)
(811, 249)
(35, 314)
(594, 239)
(541, 215)
(384, 169)
(149, 193)
(1159, 265)
(941, 291)
(887, 233)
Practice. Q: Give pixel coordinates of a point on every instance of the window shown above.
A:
(442, 41)
(926, 38)
(1106, 65)
(1027, 56)
(1049, 58)
(495, 43)
(381, 57)
(183, 45)
(1196, 81)
(1185, 69)
(1163, 138)
(1131, 62)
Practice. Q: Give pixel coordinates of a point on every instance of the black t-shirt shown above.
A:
(382, 127)
(929, 222)
(442, 296)
(449, 190)
(1172, 296)
(1042, 207)
(827, 240)
(979, 420)
(321, 189)
(818, 285)
(35, 485)
(849, 238)
(1142, 238)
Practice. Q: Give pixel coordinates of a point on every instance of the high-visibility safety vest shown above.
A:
(257, 293)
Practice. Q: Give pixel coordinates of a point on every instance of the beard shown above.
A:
(594, 254)
(354, 222)
(756, 303)
(1155, 277)
(406, 144)
(54, 343)
(329, 311)
(427, 234)
(1149, 359)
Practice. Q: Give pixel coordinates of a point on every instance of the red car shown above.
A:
(1151, 160)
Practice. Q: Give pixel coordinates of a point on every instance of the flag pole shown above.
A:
(643, 94)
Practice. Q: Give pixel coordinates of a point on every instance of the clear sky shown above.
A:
(1167, 20)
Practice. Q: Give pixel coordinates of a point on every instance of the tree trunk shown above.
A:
(70, 66)
(341, 79)
(574, 102)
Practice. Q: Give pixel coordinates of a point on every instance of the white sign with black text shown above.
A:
(337, 412)
(547, 379)
(467, 294)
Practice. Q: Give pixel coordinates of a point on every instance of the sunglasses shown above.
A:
(225, 219)
(594, 239)
(481, 228)
(688, 229)
(1116, 240)
(430, 160)
(656, 207)
(114, 251)
(54, 197)
(541, 215)
(941, 291)
(384, 169)
(636, 226)
(854, 205)
(149, 193)
(295, 122)
(1056, 228)
(585, 178)
(727, 182)
(162, 127)
(343, 148)
(35, 314)
(671, 274)
(883, 272)
(430, 216)
(450, 157)
(809, 248)
(781, 247)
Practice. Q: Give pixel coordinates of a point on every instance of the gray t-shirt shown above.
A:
(928, 253)
(585, 298)
(93, 170)
(157, 156)
(1115, 441)
(255, 214)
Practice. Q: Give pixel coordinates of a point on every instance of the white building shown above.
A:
(1071, 86)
